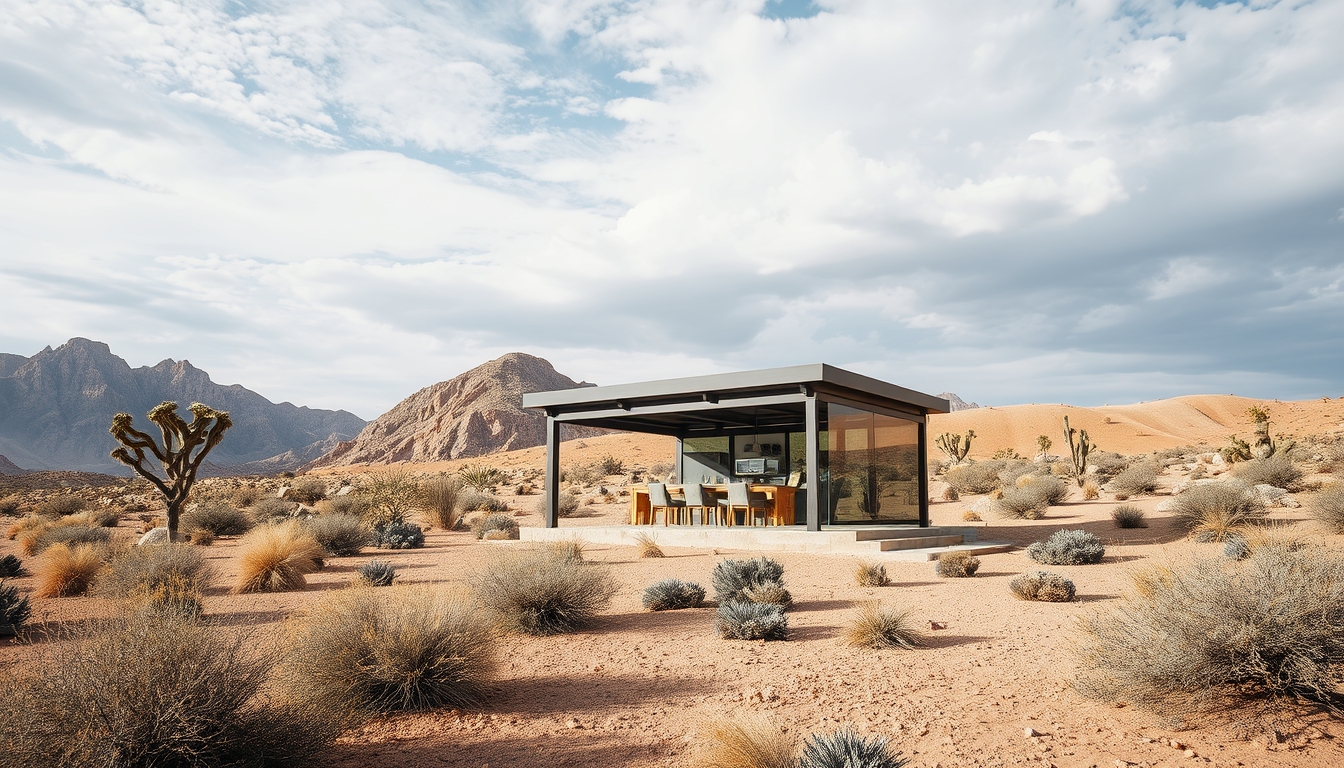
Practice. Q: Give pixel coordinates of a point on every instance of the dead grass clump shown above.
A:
(1076, 547)
(66, 571)
(246, 496)
(1276, 470)
(1128, 516)
(976, 477)
(971, 516)
(1214, 634)
(871, 574)
(536, 593)
(1138, 478)
(1214, 511)
(950, 494)
(751, 621)
(60, 506)
(672, 594)
(9, 507)
(155, 690)
(768, 593)
(440, 500)
(307, 490)
(339, 535)
(201, 538)
(1091, 491)
(391, 650)
(747, 741)
(1328, 508)
(1031, 500)
(25, 524)
(1042, 586)
(567, 549)
(483, 525)
(877, 626)
(271, 509)
(164, 574)
(218, 518)
(648, 546)
(275, 558)
(957, 565)
(37, 540)
(732, 578)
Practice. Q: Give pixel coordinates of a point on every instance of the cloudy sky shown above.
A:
(337, 202)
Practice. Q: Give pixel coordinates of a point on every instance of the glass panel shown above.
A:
(704, 460)
(872, 466)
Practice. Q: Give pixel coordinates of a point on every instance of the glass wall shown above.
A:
(870, 465)
(705, 460)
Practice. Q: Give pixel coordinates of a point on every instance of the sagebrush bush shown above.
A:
(9, 506)
(1328, 508)
(474, 501)
(246, 496)
(566, 549)
(751, 621)
(399, 535)
(392, 650)
(1042, 586)
(350, 504)
(1214, 511)
(847, 749)
(272, 508)
(1128, 516)
(871, 574)
(536, 593)
(307, 490)
(340, 535)
(11, 566)
(747, 740)
(495, 523)
(1031, 500)
(1276, 470)
(66, 534)
(376, 573)
(877, 626)
(93, 518)
(14, 609)
(60, 506)
(168, 576)
(950, 494)
(441, 501)
(67, 571)
(1138, 478)
(1091, 491)
(648, 546)
(768, 593)
(1210, 634)
(568, 505)
(1076, 547)
(957, 565)
(976, 477)
(276, 558)
(216, 517)
(732, 578)
(672, 594)
(150, 689)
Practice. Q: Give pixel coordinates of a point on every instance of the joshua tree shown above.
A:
(951, 445)
(184, 448)
(1043, 443)
(1264, 446)
(1078, 450)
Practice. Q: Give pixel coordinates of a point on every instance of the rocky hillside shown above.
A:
(55, 409)
(478, 412)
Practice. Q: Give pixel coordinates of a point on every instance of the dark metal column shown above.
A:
(924, 474)
(812, 410)
(552, 472)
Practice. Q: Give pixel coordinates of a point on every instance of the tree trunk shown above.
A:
(174, 512)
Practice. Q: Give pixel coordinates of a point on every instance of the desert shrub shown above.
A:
(1137, 479)
(404, 648)
(489, 523)
(950, 494)
(307, 490)
(1042, 586)
(246, 496)
(275, 558)
(60, 506)
(957, 565)
(391, 497)
(218, 518)
(870, 574)
(399, 535)
(610, 465)
(583, 474)
(1091, 491)
(93, 518)
(976, 477)
(566, 549)
(65, 571)
(14, 610)
(877, 626)
(751, 621)
(11, 566)
(165, 576)
(1276, 470)
(1328, 508)
(349, 504)
(732, 578)
(340, 535)
(1108, 464)
(971, 516)
(272, 508)
(376, 573)
(568, 506)
(1013, 471)
(481, 477)
(1277, 632)
(440, 500)
(847, 749)
(1214, 511)
(1236, 548)
(648, 546)
(768, 593)
(150, 689)
(201, 537)
(473, 501)
(536, 593)
(1033, 498)
(9, 506)
(26, 524)
(671, 594)
(68, 534)
(1128, 516)
(748, 740)
(1076, 547)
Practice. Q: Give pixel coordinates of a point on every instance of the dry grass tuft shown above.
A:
(971, 516)
(1128, 516)
(747, 741)
(950, 494)
(66, 571)
(1328, 508)
(168, 577)
(567, 549)
(1091, 491)
(1215, 511)
(28, 523)
(648, 546)
(1042, 586)
(275, 558)
(537, 593)
(1137, 479)
(957, 565)
(440, 498)
(877, 626)
(871, 574)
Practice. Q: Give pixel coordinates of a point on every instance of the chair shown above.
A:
(659, 499)
(701, 498)
(750, 502)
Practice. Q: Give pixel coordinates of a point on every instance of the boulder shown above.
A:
(160, 536)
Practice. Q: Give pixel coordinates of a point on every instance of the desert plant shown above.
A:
(94, 518)
(349, 504)
(950, 494)
(1033, 498)
(473, 501)
(1328, 508)
(440, 501)
(376, 573)
(152, 689)
(482, 477)
(953, 446)
(1139, 478)
(489, 523)
(275, 558)
(751, 621)
(567, 507)
(1076, 547)
(731, 578)
(583, 474)
(648, 546)
(340, 535)
(391, 497)
(404, 648)
(14, 610)
(165, 573)
(957, 565)
(11, 566)
(67, 534)
(399, 535)
(1276, 470)
(877, 626)
(1079, 449)
(273, 508)
(25, 524)
(60, 506)
(1043, 444)
(66, 571)
(768, 593)
(307, 490)
(218, 518)
(200, 537)
(971, 516)
(1214, 511)
(246, 496)
(1042, 586)
(1277, 633)
(671, 594)
(536, 593)
(846, 749)
(871, 574)
(567, 549)
(748, 740)
(184, 449)
(9, 506)
(1091, 491)
(610, 465)
(1128, 516)
(976, 477)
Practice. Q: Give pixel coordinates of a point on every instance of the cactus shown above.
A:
(1078, 450)
(1043, 443)
(183, 450)
(951, 445)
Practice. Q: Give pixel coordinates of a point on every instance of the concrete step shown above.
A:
(928, 554)
(906, 532)
(918, 542)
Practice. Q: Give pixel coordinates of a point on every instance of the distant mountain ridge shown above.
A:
(957, 403)
(476, 413)
(56, 406)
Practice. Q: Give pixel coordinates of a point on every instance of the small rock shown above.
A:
(1030, 732)
(160, 535)
(1190, 753)
(571, 723)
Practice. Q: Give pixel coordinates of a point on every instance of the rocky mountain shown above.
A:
(957, 403)
(56, 406)
(8, 467)
(476, 413)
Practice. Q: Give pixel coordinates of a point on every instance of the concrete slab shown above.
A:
(850, 541)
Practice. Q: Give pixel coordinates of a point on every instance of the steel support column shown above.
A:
(813, 417)
(552, 472)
